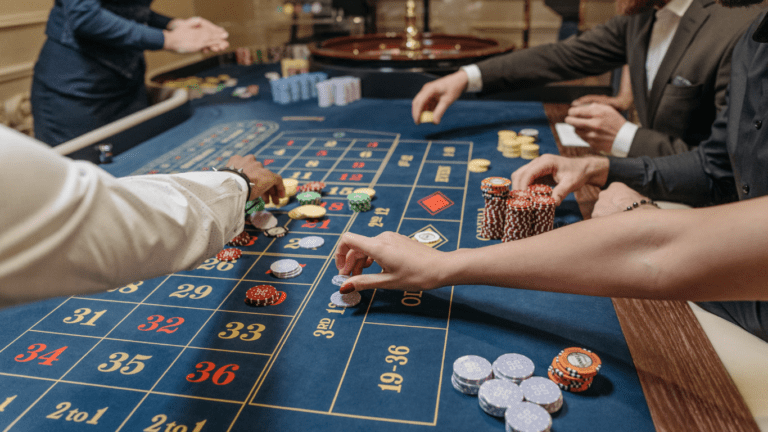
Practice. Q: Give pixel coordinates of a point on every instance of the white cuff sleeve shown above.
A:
(623, 140)
(475, 84)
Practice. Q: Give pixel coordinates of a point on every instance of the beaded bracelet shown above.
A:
(638, 204)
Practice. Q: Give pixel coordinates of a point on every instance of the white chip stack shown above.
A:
(527, 417)
(496, 395)
(286, 268)
(470, 372)
(543, 392)
(339, 91)
(513, 367)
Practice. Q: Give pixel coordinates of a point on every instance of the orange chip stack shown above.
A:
(495, 191)
(574, 369)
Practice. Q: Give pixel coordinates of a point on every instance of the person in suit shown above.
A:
(90, 71)
(678, 53)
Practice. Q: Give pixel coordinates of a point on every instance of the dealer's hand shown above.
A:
(266, 184)
(407, 264)
(597, 124)
(438, 95)
(616, 198)
(193, 35)
(570, 174)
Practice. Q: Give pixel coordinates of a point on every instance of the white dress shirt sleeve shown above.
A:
(623, 140)
(475, 84)
(69, 227)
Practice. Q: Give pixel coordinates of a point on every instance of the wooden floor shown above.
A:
(685, 384)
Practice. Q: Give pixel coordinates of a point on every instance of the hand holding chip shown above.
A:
(570, 174)
(265, 183)
(438, 95)
(407, 265)
(193, 35)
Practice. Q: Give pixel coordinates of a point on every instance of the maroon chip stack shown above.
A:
(543, 214)
(519, 219)
(495, 191)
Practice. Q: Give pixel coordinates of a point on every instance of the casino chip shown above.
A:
(529, 151)
(307, 198)
(285, 268)
(291, 186)
(242, 239)
(253, 206)
(359, 202)
(346, 300)
(478, 165)
(513, 367)
(230, 254)
(261, 295)
(339, 280)
(527, 417)
(368, 191)
(543, 392)
(263, 220)
(469, 373)
(427, 117)
(311, 242)
(530, 132)
(574, 369)
(276, 232)
(495, 192)
(427, 237)
(307, 212)
(313, 186)
(496, 395)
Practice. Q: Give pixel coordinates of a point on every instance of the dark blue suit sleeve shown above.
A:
(89, 20)
(700, 177)
(160, 21)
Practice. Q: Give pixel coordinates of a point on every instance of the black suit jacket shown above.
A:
(674, 118)
(733, 162)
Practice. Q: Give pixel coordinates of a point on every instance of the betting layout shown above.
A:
(218, 339)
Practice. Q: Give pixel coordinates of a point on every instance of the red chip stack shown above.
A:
(313, 186)
(519, 219)
(495, 191)
(244, 57)
(540, 189)
(543, 214)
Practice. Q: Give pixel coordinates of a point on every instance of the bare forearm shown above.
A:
(709, 254)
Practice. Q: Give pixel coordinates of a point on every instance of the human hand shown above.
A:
(618, 103)
(438, 95)
(195, 34)
(265, 183)
(570, 174)
(407, 264)
(597, 124)
(616, 198)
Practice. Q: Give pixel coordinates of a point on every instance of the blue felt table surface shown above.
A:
(287, 375)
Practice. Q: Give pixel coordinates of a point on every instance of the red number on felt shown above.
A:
(335, 206)
(155, 321)
(222, 376)
(290, 143)
(358, 165)
(171, 324)
(267, 162)
(322, 153)
(353, 177)
(36, 349)
(312, 223)
(373, 144)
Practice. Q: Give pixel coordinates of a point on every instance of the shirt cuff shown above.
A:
(475, 84)
(153, 38)
(623, 140)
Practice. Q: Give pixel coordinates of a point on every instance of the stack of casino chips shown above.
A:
(306, 198)
(261, 295)
(229, 254)
(527, 417)
(574, 369)
(313, 186)
(285, 268)
(519, 219)
(359, 202)
(496, 395)
(470, 372)
(495, 192)
(543, 214)
(242, 239)
(513, 367)
(543, 392)
(244, 56)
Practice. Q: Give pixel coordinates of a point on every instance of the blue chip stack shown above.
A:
(338, 91)
(496, 395)
(296, 88)
(513, 367)
(543, 392)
